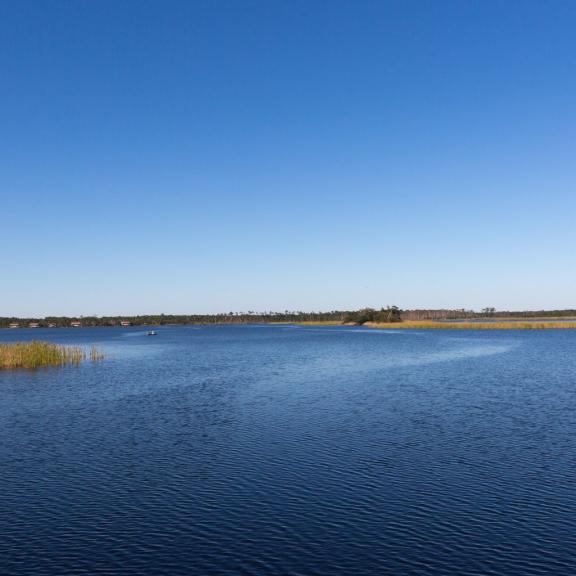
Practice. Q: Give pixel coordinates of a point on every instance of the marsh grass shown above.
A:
(95, 354)
(37, 354)
(429, 324)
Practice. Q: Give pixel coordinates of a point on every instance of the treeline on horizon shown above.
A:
(486, 313)
(166, 319)
(389, 314)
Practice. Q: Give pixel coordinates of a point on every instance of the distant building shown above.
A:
(33, 325)
(13, 325)
(76, 324)
(125, 323)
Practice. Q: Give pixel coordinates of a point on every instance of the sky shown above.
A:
(167, 156)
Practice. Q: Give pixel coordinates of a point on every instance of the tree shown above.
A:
(488, 311)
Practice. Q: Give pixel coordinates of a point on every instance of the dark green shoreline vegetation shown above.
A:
(369, 316)
(38, 354)
(389, 315)
(172, 319)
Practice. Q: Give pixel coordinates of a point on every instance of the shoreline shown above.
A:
(451, 325)
(508, 324)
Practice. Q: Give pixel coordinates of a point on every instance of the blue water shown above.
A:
(279, 450)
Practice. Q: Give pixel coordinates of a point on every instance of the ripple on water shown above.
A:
(276, 452)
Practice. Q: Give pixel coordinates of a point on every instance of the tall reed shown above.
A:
(36, 354)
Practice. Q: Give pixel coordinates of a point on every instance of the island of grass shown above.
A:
(37, 354)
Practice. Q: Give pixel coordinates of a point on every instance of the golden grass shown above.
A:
(37, 354)
(430, 324)
(95, 354)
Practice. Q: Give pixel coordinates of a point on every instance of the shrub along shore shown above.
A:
(37, 354)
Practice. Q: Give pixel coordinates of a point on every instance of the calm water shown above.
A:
(292, 451)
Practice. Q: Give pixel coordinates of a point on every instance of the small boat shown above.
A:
(151, 333)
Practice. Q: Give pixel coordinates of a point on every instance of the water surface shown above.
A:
(280, 450)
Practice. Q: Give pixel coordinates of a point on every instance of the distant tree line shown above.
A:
(389, 314)
(489, 312)
(528, 314)
(440, 314)
(165, 319)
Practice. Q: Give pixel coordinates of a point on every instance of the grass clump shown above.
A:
(37, 354)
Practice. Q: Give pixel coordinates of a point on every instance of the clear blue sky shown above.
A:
(205, 156)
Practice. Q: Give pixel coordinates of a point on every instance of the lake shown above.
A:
(284, 450)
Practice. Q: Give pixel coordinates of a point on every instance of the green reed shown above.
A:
(37, 354)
